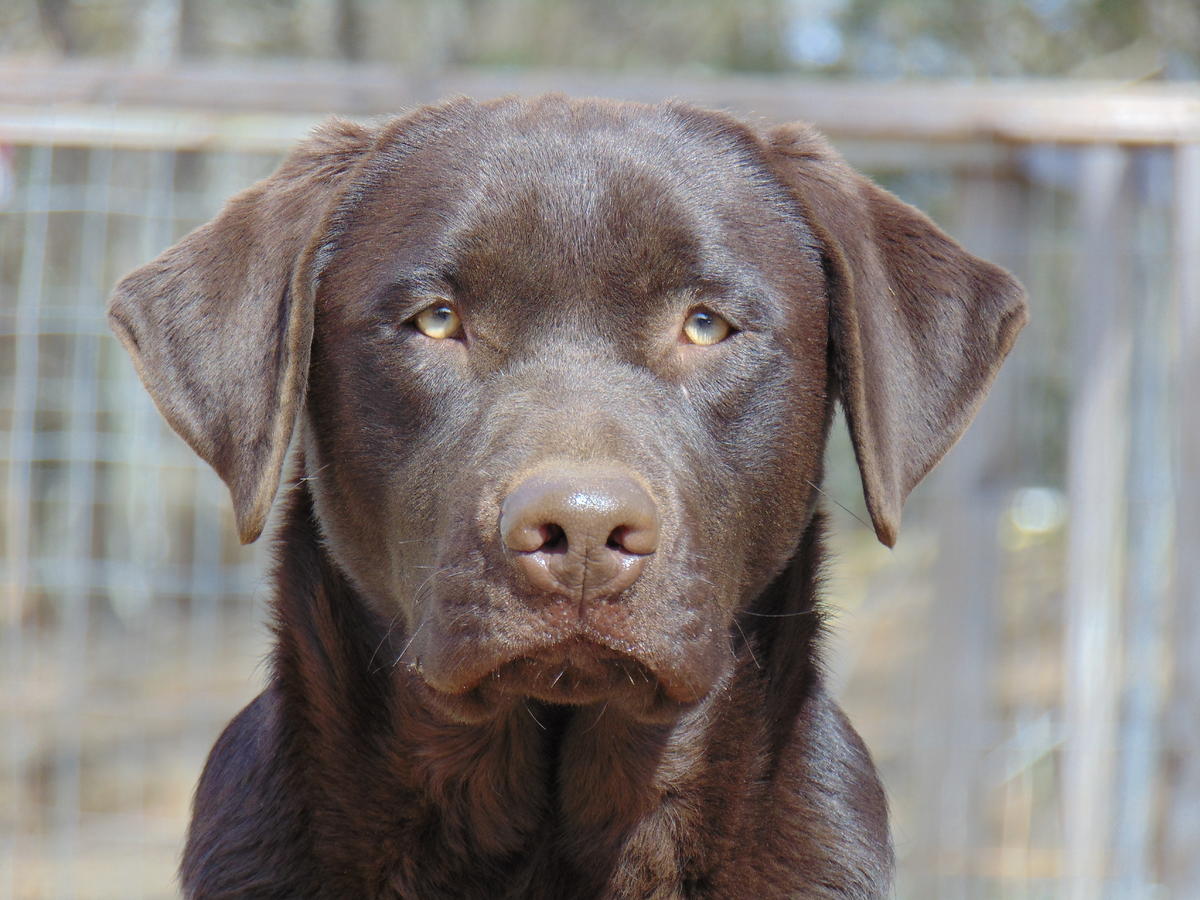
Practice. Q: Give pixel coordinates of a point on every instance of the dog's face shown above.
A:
(569, 370)
(614, 353)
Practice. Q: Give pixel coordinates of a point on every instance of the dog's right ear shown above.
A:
(220, 325)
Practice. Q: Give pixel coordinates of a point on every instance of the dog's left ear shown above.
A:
(918, 325)
(220, 325)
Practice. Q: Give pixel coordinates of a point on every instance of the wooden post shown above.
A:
(1097, 450)
(957, 680)
(1151, 501)
(1181, 825)
(19, 524)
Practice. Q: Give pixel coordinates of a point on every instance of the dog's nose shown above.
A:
(582, 534)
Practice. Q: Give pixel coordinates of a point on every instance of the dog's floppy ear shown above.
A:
(220, 325)
(919, 326)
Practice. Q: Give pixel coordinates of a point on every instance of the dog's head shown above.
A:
(562, 373)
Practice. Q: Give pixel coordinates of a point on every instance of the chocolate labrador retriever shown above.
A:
(559, 376)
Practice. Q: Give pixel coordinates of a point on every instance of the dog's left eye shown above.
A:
(705, 328)
(439, 321)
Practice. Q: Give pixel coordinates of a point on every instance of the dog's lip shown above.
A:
(576, 670)
(592, 666)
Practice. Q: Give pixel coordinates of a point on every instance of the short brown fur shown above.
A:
(438, 725)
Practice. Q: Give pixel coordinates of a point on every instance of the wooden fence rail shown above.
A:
(1021, 112)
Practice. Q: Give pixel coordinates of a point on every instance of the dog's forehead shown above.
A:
(573, 150)
(552, 194)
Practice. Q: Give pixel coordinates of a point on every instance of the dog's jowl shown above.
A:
(556, 377)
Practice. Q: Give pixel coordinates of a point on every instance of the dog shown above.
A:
(557, 376)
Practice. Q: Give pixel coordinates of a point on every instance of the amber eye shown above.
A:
(438, 321)
(705, 328)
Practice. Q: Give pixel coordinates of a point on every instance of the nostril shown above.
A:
(639, 539)
(555, 539)
(628, 539)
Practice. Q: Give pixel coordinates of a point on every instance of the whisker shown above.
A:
(409, 644)
(747, 644)
(603, 710)
(447, 573)
(535, 718)
(386, 634)
(817, 488)
(313, 476)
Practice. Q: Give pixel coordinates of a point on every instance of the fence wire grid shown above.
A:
(133, 622)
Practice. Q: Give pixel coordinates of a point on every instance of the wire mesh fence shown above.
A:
(127, 602)
(1029, 602)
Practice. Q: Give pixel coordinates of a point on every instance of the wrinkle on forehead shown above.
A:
(574, 150)
(553, 204)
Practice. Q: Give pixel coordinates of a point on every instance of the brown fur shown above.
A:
(435, 726)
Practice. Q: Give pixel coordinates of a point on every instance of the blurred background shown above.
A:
(1025, 665)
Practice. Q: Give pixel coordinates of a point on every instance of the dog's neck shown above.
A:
(604, 786)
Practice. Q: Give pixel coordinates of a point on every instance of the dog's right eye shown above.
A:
(439, 321)
(704, 328)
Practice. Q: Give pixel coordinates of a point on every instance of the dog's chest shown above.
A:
(550, 866)
(585, 840)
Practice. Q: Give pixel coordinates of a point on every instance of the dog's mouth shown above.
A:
(574, 672)
(578, 671)
(481, 652)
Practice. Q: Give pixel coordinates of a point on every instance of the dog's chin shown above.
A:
(573, 673)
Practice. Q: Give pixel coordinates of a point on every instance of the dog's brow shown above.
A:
(744, 299)
(415, 284)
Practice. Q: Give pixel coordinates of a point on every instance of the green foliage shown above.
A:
(874, 38)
